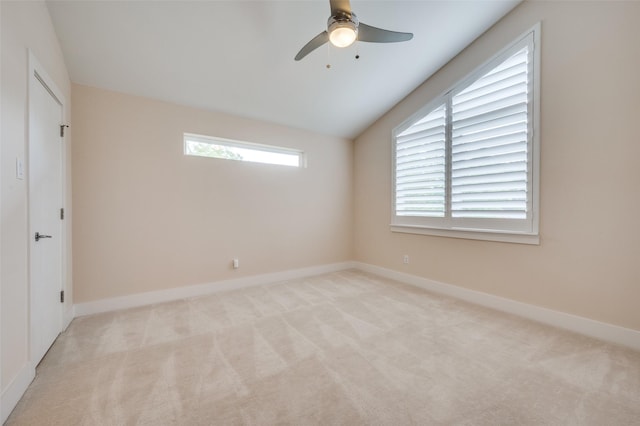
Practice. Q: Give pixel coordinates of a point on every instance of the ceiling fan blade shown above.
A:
(315, 42)
(378, 35)
(338, 6)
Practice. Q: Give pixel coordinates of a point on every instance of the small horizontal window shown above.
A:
(207, 146)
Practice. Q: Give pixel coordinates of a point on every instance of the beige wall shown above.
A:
(147, 218)
(25, 25)
(587, 262)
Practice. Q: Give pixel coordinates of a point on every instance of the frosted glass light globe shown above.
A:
(342, 35)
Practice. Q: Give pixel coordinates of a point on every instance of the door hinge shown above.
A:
(62, 296)
(62, 214)
(62, 126)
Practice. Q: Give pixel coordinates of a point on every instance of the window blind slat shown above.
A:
(479, 126)
(434, 200)
(489, 178)
(433, 119)
(490, 169)
(492, 82)
(434, 187)
(434, 174)
(430, 133)
(490, 214)
(472, 188)
(490, 146)
(509, 67)
(480, 106)
(488, 133)
(494, 196)
(421, 177)
(418, 170)
(435, 148)
(422, 194)
(511, 157)
(484, 205)
(509, 110)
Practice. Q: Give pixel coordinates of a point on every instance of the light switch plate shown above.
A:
(19, 168)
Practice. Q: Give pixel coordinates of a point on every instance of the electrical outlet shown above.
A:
(405, 259)
(236, 263)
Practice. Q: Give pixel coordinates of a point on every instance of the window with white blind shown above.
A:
(466, 165)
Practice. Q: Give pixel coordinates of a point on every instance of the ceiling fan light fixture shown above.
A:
(343, 29)
(342, 36)
(343, 32)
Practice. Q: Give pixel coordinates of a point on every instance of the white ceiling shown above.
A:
(237, 56)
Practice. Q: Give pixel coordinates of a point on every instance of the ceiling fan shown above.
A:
(343, 28)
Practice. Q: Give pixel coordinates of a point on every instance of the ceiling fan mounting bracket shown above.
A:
(341, 18)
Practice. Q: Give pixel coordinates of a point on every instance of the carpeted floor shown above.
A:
(343, 348)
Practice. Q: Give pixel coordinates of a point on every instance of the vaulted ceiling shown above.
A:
(237, 56)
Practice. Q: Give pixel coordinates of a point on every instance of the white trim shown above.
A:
(14, 391)
(536, 126)
(2, 410)
(68, 316)
(585, 326)
(177, 293)
(469, 234)
(588, 327)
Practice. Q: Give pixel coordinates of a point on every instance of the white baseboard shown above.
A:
(599, 330)
(14, 391)
(177, 293)
(67, 317)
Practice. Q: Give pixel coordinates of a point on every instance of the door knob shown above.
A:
(39, 235)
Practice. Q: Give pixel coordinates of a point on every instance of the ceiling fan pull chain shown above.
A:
(328, 56)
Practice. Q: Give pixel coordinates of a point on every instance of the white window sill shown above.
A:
(518, 238)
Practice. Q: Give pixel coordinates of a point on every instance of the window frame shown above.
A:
(230, 143)
(480, 229)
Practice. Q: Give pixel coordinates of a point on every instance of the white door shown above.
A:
(45, 202)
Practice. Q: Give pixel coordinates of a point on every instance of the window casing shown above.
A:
(466, 165)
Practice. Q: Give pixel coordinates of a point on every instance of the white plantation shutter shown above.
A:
(490, 143)
(420, 167)
(469, 164)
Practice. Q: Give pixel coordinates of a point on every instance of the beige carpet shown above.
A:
(346, 348)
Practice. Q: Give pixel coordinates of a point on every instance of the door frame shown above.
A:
(38, 72)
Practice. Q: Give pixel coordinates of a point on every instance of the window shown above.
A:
(466, 165)
(206, 146)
